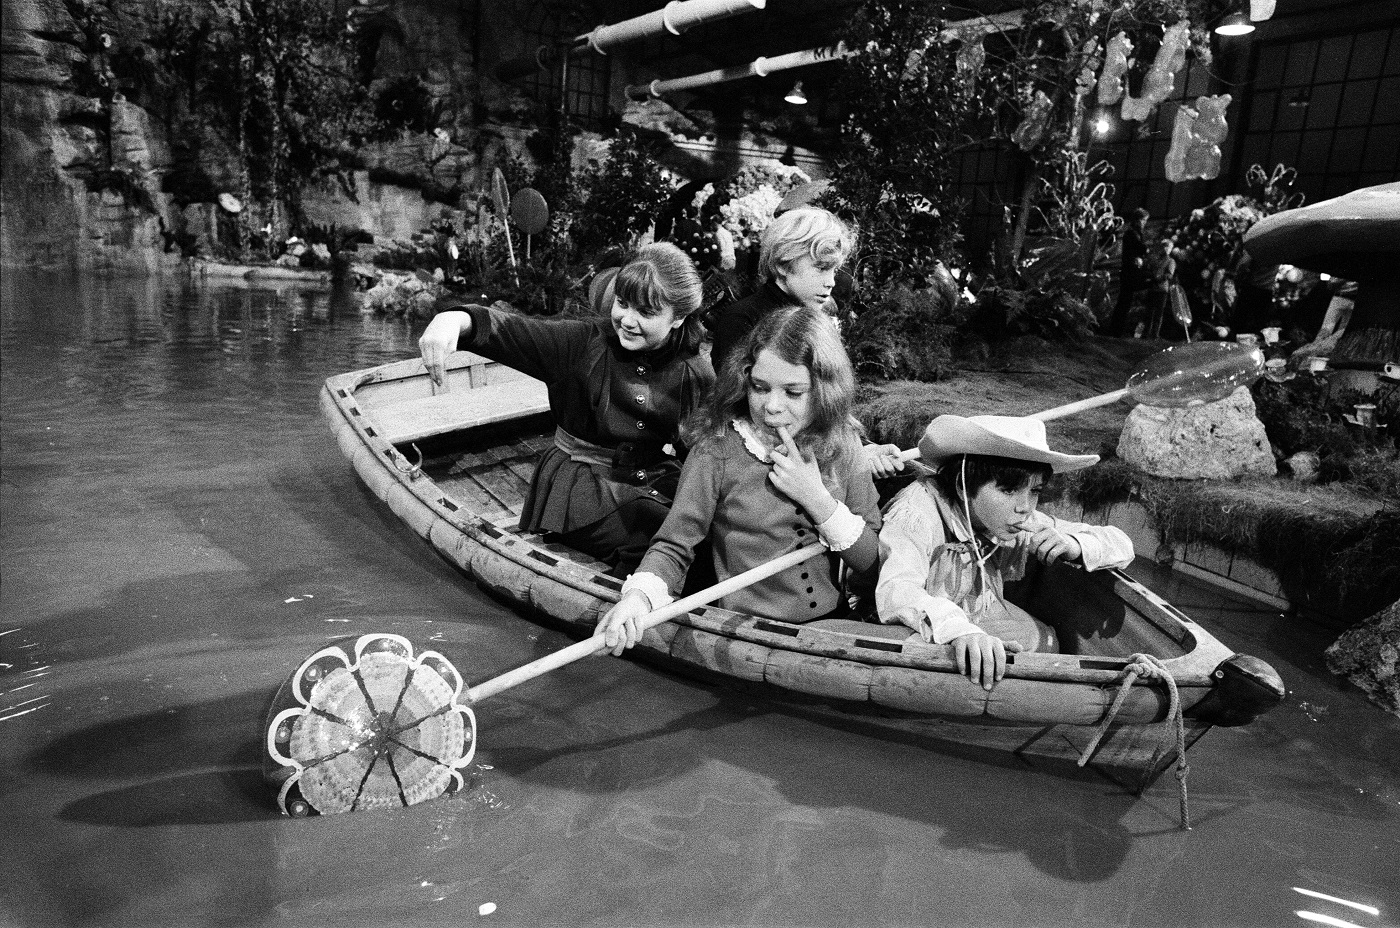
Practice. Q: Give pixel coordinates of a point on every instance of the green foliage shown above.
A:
(1043, 293)
(1303, 415)
(273, 81)
(905, 334)
(907, 109)
(620, 197)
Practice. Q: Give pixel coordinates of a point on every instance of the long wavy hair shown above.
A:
(797, 335)
(662, 276)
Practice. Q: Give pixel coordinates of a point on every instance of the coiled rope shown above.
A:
(1150, 668)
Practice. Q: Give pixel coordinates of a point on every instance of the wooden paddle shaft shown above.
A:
(1068, 409)
(594, 644)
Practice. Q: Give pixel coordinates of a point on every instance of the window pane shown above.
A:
(1284, 149)
(1346, 151)
(1368, 54)
(1272, 59)
(1291, 116)
(1388, 101)
(1322, 105)
(1301, 56)
(1255, 151)
(1382, 149)
(1333, 59)
(1261, 114)
(1358, 97)
(1312, 157)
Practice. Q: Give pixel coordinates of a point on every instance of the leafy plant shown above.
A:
(905, 334)
(1303, 415)
(620, 197)
(1043, 293)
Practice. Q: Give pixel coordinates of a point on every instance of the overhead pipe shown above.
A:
(762, 67)
(759, 67)
(675, 17)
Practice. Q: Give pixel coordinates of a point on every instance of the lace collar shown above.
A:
(752, 442)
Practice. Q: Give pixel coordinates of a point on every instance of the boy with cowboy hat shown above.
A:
(950, 540)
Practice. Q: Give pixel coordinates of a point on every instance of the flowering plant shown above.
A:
(1210, 238)
(755, 193)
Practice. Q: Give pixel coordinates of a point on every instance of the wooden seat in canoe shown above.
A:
(421, 417)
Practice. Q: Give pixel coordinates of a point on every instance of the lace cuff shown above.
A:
(842, 528)
(651, 586)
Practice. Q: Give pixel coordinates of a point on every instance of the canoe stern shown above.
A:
(1245, 688)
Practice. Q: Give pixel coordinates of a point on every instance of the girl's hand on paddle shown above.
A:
(619, 627)
(439, 340)
(1049, 545)
(798, 477)
(883, 460)
(982, 657)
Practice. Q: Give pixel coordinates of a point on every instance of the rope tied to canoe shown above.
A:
(1148, 667)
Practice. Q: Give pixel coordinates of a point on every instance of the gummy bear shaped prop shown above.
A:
(1207, 133)
(1161, 77)
(1182, 137)
(1115, 66)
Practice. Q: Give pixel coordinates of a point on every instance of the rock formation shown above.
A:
(1368, 655)
(1219, 440)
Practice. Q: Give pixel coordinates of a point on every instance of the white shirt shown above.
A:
(929, 573)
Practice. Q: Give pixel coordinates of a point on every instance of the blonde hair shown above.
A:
(807, 231)
(798, 335)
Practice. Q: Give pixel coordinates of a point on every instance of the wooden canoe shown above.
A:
(454, 465)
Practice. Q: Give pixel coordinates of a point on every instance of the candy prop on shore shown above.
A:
(368, 725)
(1189, 375)
(1182, 375)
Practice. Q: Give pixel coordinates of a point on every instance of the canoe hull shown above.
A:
(1048, 706)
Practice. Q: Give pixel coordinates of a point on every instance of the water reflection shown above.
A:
(178, 531)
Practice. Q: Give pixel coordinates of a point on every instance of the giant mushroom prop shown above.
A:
(1355, 236)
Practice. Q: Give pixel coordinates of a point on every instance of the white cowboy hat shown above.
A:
(1018, 437)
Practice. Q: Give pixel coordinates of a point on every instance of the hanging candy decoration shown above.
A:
(1116, 61)
(1032, 129)
(1181, 143)
(1161, 77)
(1207, 135)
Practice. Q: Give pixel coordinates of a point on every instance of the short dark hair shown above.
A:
(1009, 474)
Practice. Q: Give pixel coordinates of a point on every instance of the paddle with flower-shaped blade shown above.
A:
(369, 725)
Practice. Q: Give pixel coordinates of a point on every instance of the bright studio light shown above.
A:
(1102, 125)
(1235, 24)
(795, 95)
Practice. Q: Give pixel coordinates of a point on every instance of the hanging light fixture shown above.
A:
(795, 95)
(1236, 23)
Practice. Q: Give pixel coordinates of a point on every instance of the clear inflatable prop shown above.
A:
(1115, 67)
(368, 725)
(1192, 374)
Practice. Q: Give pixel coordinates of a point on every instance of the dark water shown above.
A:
(179, 532)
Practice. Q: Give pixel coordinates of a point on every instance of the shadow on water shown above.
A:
(1079, 837)
(200, 764)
